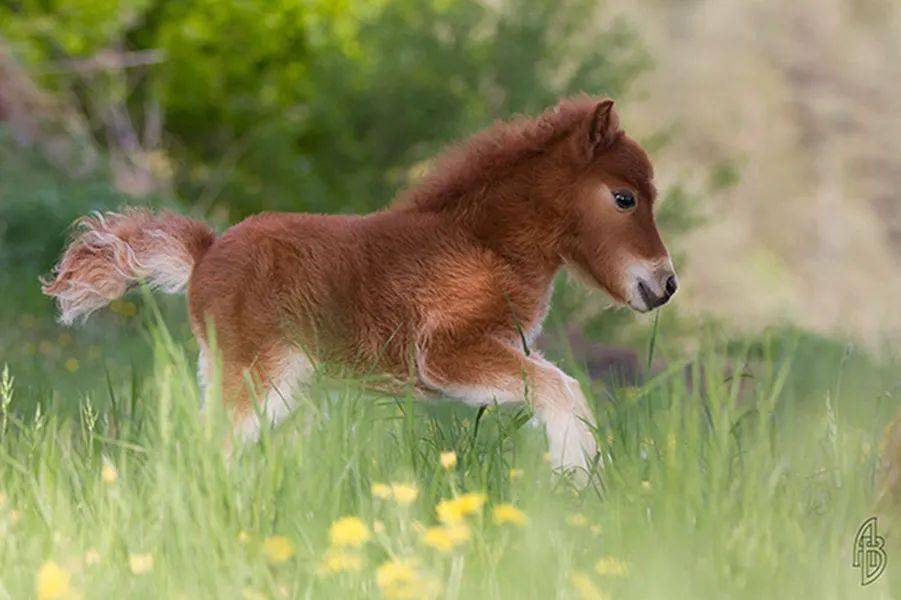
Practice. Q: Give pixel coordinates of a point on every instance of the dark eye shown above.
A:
(624, 199)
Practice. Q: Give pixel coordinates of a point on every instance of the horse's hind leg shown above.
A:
(275, 378)
(262, 393)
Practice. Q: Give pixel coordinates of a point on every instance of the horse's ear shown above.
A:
(603, 127)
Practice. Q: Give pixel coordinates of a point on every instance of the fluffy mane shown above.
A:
(485, 156)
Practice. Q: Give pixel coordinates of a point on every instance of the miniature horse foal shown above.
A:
(444, 290)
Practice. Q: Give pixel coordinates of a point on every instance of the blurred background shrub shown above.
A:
(320, 106)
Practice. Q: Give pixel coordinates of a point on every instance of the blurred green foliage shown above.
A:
(325, 106)
(37, 203)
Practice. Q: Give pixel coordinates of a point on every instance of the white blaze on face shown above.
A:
(646, 283)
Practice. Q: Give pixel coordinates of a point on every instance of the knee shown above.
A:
(558, 389)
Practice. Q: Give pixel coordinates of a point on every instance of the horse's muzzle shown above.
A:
(653, 288)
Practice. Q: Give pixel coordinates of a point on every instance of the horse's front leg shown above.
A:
(488, 370)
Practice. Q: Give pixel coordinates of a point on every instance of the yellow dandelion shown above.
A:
(437, 538)
(140, 563)
(91, 557)
(458, 533)
(404, 493)
(585, 587)
(108, 473)
(515, 474)
(52, 582)
(471, 502)
(596, 529)
(450, 511)
(393, 572)
(445, 538)
(448, 460)
(381, 490)
(278, 549)
(577, 520)
(71, 365)
(339, 560)
(243, 537)
(611, 566)
(646, 485)
(507, 513)
(64, 339)
(399, 580)
(349, 531)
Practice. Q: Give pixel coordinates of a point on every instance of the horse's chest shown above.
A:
(534, 320)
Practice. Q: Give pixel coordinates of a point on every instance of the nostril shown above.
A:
(671, 285)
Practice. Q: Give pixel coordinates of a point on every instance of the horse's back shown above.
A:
(278, 270)
(242, 281)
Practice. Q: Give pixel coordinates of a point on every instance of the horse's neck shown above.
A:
(509, 222)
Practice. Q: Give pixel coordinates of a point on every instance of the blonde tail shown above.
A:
(112, 252)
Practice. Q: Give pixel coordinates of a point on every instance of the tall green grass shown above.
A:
(713, 486)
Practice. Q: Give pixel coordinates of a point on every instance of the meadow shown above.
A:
(742, 468)
(113, 482)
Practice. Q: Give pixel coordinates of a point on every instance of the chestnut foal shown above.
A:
(444, 290)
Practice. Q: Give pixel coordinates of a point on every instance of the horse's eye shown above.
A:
(624, 199)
